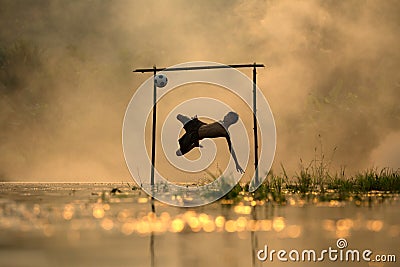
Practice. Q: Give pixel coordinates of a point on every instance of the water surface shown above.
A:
(84, 224)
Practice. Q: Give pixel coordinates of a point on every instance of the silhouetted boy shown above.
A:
(197, 130)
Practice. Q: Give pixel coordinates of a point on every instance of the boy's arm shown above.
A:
(238, 168)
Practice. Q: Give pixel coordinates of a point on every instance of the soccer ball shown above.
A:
(160, 80)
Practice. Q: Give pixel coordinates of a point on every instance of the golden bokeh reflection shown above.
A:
(242, 209)
(177, 225)
(230, 226)
(374, 225)
(329, 225)
(68, 212)
(209, 226)
(294, 231)
(219, 221)
(107, 224)
(279, 224)
(344, 224)
(240, 218)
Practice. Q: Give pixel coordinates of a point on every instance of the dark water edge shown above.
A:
(84, 224)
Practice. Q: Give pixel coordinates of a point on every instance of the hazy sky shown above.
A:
(332, 77)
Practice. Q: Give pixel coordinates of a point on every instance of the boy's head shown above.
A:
(231, 118)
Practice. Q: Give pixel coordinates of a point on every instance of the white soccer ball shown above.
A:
(160, 80)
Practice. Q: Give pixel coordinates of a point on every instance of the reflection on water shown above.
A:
(153, 216)
(254, 240)
(85, 224)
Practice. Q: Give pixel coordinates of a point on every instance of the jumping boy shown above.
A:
(197, 130)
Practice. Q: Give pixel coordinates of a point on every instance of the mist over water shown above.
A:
(332, 77)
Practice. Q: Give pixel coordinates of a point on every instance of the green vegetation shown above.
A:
(319, 185)
(313, 183)
(316, 182)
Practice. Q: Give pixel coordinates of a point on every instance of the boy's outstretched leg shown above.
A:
(182, 118)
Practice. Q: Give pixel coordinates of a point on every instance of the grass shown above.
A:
(311, 183)
(315, 179)
(314, 182)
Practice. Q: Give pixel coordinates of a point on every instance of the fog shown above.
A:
(332, 77)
